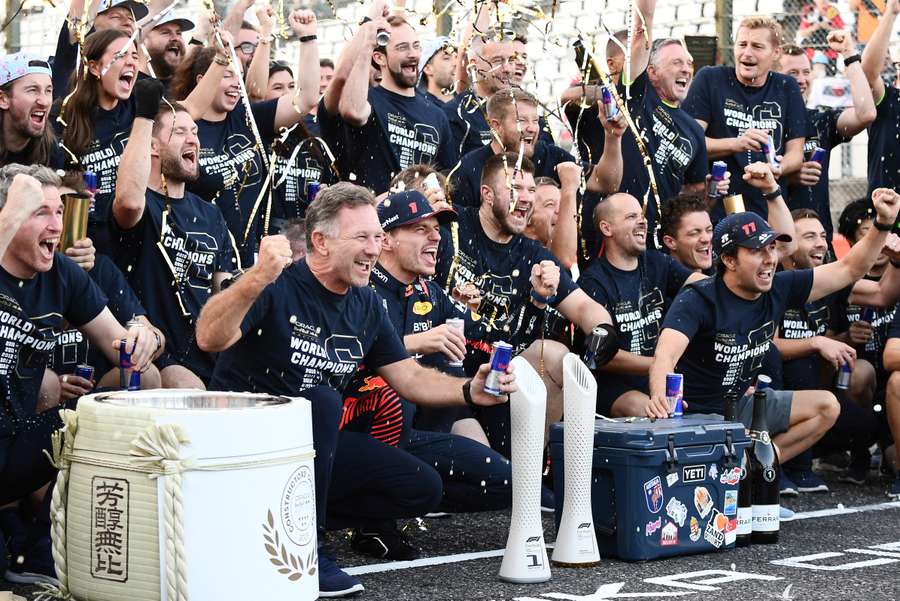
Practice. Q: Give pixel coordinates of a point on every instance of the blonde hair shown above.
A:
(763, 22)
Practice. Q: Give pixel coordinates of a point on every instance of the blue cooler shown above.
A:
(662, 488)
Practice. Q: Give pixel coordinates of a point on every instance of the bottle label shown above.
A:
(765, 518)
(745, 520)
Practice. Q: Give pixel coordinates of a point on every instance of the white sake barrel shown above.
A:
(173, 495)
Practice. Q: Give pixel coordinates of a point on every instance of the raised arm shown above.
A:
(877, 49)
(760, 176)
(859, 116)
(257, 77)
(564, 244)
(642, 38)
(886, 291)
(219, 325)
(292, 108)
(203, 94)
(606, 176)
(353, 105)
(134, 167)
(235, 17)
(856, 263)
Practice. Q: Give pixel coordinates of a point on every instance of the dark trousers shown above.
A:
(23, 466)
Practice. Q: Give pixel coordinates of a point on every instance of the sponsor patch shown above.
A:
(702, 501)
(669, 535)
(693, 473)
(672, 479)
(652, 527)
(731, 501)
(676, 510)
(714, 533)
(731, 477)
(422, 307)
(695, 530)
(653, 492)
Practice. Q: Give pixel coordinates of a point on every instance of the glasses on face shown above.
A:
(246, 47)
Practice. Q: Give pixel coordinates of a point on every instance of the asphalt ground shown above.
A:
(844, 545)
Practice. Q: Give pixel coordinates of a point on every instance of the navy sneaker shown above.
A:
(806, 481)
(786, 487)
(855, 474)
(385, 542)
(894, 491)
(333, 581)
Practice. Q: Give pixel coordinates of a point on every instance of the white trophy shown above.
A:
(525, 559)
(576, 541)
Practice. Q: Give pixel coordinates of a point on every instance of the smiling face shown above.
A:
(413, 249)
(500, 193)
(753, 270)
(672, 73)
(229, 93)
(441, 68)
(120, 78)
(545, 213)
(353, 251)
(165, 46)
(755, 52)
(31, 249)
(280, 83)
(519, 124)
(798, 67)
(692, 244)
(624, 225)
(812, 244)
(177, 147)
(501, 65)
(117, 17)
(400, 58)
(27, 104)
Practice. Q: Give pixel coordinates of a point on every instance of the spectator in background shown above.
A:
(26, 93)
(165, 45)
(687, 232)
(884, 152)
(817, 20)
(437, 65)
(867, 14)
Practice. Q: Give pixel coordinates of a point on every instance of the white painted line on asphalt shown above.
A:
(458, 557)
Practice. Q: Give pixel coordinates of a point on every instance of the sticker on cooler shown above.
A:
(714, 533)
(693, 473)
(713, 472)
(669, 535)
(731, 531)
(676, 510)
(730, 477)
(653, 492)
(672, 479)
(652, 527)
(695, 529)
(765, 518)
(731, 502)
(702, 501)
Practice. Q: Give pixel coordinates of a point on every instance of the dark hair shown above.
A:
(185, 79)
(74, 179)
(413, 175)
(720, 264)
(611, 47)
(676, 208)
(166, 108)
(278, 67)
(38, 150)
(792, 50)
(798, 214)
(503, 161)
(853, 215)
(248, 25)
(326, 62)
(80, 111)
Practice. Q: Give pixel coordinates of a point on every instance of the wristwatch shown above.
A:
(467, 392)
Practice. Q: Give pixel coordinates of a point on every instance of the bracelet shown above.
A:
(308, 38)
(467, 392)
(773, 194)
(223, 61)
(852, 59)
(544, 300)
(881, 227)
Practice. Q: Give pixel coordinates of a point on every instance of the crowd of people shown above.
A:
(321, 229)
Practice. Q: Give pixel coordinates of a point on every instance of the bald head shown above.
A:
(620, 220)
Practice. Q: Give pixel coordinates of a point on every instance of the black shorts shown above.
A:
(611, 386)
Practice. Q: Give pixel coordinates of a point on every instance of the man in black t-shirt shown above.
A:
(636, 286)
(304, 329)
(686, 232)
(718, 330)
(378, 132)
(740, 107)
(175, 247)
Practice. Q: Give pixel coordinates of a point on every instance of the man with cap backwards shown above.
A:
(475, 477)
(437, 65)
(305, 328)
(719, 329)
(26, 93)
(165, 46)
(111, 14)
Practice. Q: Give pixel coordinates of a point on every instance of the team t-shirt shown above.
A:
(465, 183)
(170, 257)
(730, 108)
(801, 323)
(32, 313)
(729, 336)
(298, 334)
(232, 172)
(401, 131)
(298, 161)
(884, 154)
(72, 347)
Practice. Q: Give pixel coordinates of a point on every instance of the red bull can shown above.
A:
(768, 149)
(124, 364)
(818, 155)
(608, 103)
(716, 175)
(842, 377)
(500, 358)
(312, 190)
(85, 371)
(675, 394)
(868, 315)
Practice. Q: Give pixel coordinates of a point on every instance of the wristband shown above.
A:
(308, 38)
(467, 392)
(223, 61)
(881, 227)
(773, 194)
(851, 59)
(544, 300)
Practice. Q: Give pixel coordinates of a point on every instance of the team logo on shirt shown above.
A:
(24, 342)
(414, 143)
(796, 326)
(105, 161)
(422, 307)
(192, 256)
(743, 359)
(331, 362)
(766, 115)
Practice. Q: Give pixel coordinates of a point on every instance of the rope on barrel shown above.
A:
(62, 442)
(159, 446)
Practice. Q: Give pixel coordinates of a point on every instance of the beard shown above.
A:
(401, 80)
(170, 165)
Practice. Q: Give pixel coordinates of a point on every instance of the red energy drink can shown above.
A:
(818, 155)
(608, 103)
(124, 364)
(85, 371)
(842, 377)
(675, 394)
(500, 358)
(716, 175)
(312, 189)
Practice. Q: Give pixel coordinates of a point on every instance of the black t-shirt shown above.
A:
(63, 62)
(822, 132)
(800, 323)
(298, 161)
(32, 313)
(72, 347)
(465, 185)
(884, 154)
(56, 160)
(232, 171)
(730, 108)
(469, 125)
(311, 121)
(401, 131)
(873, 350)
(729, 336)
(298, 334)
(432, 98)
(501, 272)
(170, 257)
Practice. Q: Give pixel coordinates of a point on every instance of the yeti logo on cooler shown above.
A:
(693, 473)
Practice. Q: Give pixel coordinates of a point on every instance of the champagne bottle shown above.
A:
(745, 506)
(763, 463)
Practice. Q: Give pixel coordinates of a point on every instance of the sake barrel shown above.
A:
(170, 495)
